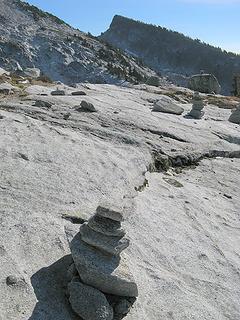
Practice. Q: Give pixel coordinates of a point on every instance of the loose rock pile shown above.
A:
(197, 107)
(101, 285)
(235, 115)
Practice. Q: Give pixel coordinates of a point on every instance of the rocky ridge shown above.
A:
(171, 53)
(31, 38)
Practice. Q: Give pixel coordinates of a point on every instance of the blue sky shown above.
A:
(214, 21)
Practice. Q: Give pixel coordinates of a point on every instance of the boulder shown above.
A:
(58, 93)
(205, 83)
(106, 226)
(86, 107)
(109, 244)
(110, 274)
(235, 116)
(32, 72)
(167, 105)
(42, 104)
(89, 303)
(79, 93)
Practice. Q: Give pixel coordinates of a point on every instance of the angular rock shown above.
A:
(104, 272)
(167, 105)
(206, 83)
(86, 107)
(89, 303)
(109, 244)
(106, 226)
(79, 93)
(108, 211)
(58, 93)
(42, 104)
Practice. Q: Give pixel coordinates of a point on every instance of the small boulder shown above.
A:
(79, 93)
(167, 105)
(89, 303)
(42, 104)
(86, 107)
(15, 281)
(58, 93)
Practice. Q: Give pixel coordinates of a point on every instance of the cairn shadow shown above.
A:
(50, 285)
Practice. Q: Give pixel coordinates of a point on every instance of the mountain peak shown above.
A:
(171, 53)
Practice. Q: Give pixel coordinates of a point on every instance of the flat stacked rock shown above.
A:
(235, 115)
(197, 107)
(101, 284)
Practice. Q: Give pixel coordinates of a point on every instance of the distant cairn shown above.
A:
(235, 115)
(101, 286)
(197, 107)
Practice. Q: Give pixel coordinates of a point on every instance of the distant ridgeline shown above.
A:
(171, 53)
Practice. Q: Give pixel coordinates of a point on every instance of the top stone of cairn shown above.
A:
(109, 211)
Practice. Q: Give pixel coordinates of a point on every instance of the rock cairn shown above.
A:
(101, 285)
(197, 107)
(235, 115)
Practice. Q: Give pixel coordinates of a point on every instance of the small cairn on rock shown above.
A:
(197, 107)
(235, 115)
(101, 286)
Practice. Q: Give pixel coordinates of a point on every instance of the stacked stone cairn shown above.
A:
(101, 286)
(197, 107)
(235, 115)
